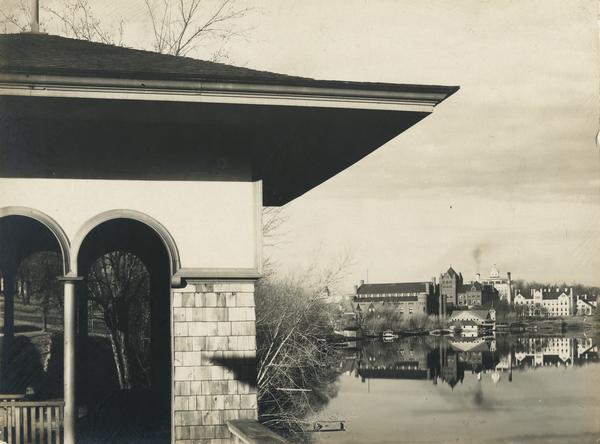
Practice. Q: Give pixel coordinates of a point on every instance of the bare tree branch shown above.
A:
(19, 19)
(181, 28)
(118, 284)
(78, 20)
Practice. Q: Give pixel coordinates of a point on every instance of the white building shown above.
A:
(552, 302)
(585, 305)
(480, 317)
(502, 284)
(524, 299)
(539, 352)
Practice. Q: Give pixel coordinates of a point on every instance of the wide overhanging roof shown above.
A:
(296, 132)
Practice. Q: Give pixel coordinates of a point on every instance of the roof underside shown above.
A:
(69, 108)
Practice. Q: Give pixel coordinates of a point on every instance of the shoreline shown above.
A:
(544, 326)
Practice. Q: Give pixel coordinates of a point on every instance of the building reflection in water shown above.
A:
(447, 360)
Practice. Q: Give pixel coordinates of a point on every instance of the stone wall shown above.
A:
(214, 353)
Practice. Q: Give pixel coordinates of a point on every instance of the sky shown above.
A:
(505, 172)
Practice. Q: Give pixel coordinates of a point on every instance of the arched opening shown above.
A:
(32, 249)
(124, 340)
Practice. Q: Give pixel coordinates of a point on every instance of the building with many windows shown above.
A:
(524, 299)
(546, 351)
(477, 294)
(552, 302)
(585, 304)
(502, 284)
(450, 283)
(409, 298)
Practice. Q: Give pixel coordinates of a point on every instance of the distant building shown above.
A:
(469, 328)
(552, 302)
(502, 284)
(536, 352)
(409, 298)
(585, 304)
(524, 300)
(479, 316)
(477, 294)
(397, 360)
(450, 282)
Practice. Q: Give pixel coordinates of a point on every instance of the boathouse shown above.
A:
(104, 148)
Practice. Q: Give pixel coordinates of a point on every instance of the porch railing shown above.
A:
(31, 422)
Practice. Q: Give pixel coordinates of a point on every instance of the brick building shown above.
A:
(477, 294)
(409, 298)
(450, 282)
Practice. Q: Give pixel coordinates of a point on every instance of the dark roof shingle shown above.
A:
(28, 53)
(473, 286)
(393, 288)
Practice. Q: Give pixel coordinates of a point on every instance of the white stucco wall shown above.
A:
(214, 224)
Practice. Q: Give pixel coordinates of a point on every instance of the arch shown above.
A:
(53, 226)
(152, 223)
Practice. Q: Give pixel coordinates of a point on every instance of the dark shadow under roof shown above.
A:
(69, 107)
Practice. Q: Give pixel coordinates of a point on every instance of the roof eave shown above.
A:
(421, 99)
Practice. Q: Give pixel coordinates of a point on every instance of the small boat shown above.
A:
(389, 335)
(441, 332)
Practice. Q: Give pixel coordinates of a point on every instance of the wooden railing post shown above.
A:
(25, 422)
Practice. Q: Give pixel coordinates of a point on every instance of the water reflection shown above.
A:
(441, 389)
(447, 359)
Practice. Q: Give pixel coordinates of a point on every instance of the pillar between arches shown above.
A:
(69, 356)
(9, 290)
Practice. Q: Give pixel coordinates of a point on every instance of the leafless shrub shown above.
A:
(296, 364)
(297, 369)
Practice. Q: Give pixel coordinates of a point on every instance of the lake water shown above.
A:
(507, 389)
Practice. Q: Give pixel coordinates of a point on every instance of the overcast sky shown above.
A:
(504, 172)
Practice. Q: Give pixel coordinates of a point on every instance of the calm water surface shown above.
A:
(442, 390)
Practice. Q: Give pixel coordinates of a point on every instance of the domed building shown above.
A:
(502, 284)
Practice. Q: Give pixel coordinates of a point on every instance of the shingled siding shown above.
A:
(214, 333)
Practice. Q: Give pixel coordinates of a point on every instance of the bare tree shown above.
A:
(19, 17)
(73, 18)
(119, 285)
(181, 26)
(37, 275)
(78, 19)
